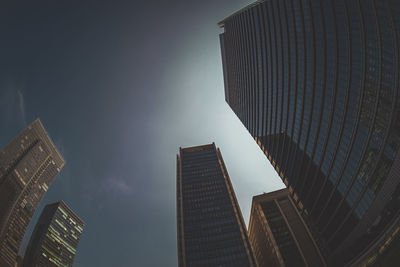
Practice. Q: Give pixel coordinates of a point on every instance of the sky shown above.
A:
(120, 86)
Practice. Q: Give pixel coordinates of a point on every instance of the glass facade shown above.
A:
(55, 238)
(316, 83)
(28, 166)
(211, 230)
(279, 235)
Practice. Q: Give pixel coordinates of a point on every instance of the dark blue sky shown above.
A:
(120, 86)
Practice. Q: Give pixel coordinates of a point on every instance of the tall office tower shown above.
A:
(28, 166)
(316, 83)
(55, 237)
(278, 234)
(211, 230)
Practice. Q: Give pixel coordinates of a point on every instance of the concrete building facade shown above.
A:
(28, 166)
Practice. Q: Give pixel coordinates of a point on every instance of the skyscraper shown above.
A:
(316, 83)
(211, 230)
(28, 166)
(55, 238)
(278, 233)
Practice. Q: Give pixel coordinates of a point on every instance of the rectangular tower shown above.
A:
(278, 233)
(211, 230)
(55, 238)
(316, 83)
(28, 166)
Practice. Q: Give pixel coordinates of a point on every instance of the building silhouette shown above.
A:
(211, 230)
(278, 234)
(55, 238)
(316, 83)
(28, 166)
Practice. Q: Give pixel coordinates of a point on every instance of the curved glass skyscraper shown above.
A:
(316, 83)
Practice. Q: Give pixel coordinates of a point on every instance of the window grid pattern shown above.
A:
(329, 118)
(209, 218)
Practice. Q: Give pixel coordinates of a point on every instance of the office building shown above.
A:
(18, 262)
(55, 238)
(28, 166)
(278, 234)
(316, 83)
(211, 230)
